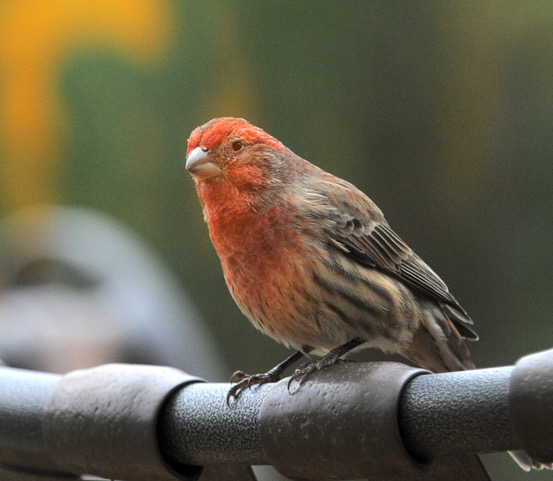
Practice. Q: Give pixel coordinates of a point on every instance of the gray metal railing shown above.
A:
(352, 420)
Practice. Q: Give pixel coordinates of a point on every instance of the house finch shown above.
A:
(311, 261)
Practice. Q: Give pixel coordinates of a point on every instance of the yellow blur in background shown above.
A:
(37, 38)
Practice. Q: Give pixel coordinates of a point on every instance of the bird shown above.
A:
(311, 261)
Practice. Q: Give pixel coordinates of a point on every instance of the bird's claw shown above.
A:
(245, 381)
(302, 371)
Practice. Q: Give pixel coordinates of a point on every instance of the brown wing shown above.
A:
(362, 233)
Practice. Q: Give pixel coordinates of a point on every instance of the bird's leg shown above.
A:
(331, 357)
(244, 380)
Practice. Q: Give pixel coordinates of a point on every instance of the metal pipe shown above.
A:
(197, 427)
(23, 399)
(89, 421)
(439, 414)
(458, 412)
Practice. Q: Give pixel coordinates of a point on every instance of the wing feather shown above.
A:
(359, 227)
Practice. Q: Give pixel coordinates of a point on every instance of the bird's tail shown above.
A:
(437, 345)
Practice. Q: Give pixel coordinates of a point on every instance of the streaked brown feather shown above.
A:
(360, 228)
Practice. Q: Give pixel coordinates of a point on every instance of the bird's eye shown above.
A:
(236, 145)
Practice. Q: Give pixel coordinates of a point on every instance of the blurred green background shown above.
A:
(442, 112)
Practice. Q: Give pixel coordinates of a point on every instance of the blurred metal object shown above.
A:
(78, 289)
(531, 405)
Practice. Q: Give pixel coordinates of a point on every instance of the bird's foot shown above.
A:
(246, 381)
(330, 358)
(303, 370)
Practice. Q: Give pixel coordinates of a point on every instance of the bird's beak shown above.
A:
(200, 166)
